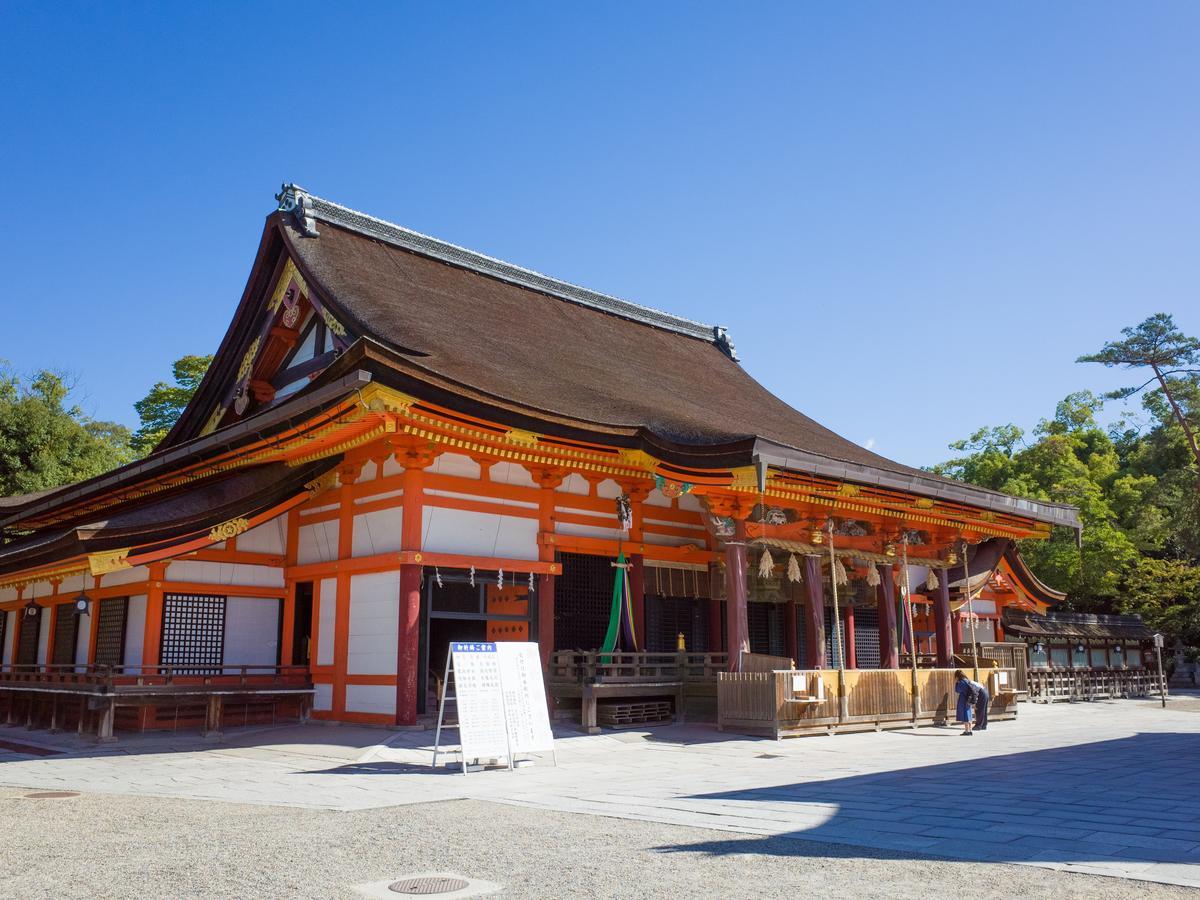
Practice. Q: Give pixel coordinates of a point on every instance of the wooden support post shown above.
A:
(54, 729)
(152, 634)
(212, 717)
(415, 458)
(889, 655)
(347, 474)
(789, 627)
(736, 595)
(108, 716)
(851, 650)
(941, 622)
(548, 480)
(814, 623)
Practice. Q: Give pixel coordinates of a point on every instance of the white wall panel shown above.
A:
(269, 537)
(74, 584)
(43, 637)
(479, 534)
(512, 473)
(377, 532)
(657, 498)
(691, 502)
(83, 641)
(371, 698)
(588, 530)
(670, 540)
(574, 484)
(455, 464)
(7, 595)
(135, 629)
(608, 489)
(318, 542)
(323, 697)
(125, 576)
(9, 631)
(374, 622)
(326, 619)
(226, 574)
(38, 590)
(251, 631)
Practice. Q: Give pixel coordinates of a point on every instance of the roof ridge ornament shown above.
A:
(294, 199)
(724, 342)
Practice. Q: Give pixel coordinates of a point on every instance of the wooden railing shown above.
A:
(580, 667)
(791, 702)
(106, 679)
(1058, 683)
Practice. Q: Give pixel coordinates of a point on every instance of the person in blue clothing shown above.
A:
(972, 706)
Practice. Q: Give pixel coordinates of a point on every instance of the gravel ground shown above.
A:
(118, 846)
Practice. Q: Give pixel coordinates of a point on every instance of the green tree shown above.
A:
(1169, 353)
(162, 406)
(46, 442)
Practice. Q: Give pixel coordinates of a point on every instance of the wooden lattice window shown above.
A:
(27, 637)
(666, 617)
(66, 634)
(111, 617)
(193, 633)
(582, 601)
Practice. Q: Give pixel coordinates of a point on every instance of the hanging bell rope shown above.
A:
(793, 572)
(766, 565)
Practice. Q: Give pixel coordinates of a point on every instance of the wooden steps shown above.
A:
(633, 713)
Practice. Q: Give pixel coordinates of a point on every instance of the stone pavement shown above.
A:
(1108, 788)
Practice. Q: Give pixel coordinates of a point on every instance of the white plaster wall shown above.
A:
(251, 631)
(371, 698)
(38, 590)
(691, 503)
(608, 489)
(377, 532)
(317, 542)
(43, 636)
(456, 464)
(323, 697)
(980, 607)
(589, 531)
(74, 584)
(574, 484)
(478, 534)
(9, 630)
(135, 629)
(657, 498)
(125, 576)
(326, 619)
(512, 473)
(7, 595)
(204, 572)
(374, 622)
(269, 537)
(82, 642)
(670, 540)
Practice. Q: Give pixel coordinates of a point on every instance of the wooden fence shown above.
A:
(1046, 685)
(786, 703)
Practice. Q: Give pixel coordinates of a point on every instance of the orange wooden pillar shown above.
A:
(152, 635)
(889, 654)
(347, 474)
(548, 480)
(415, 459)
(288, 620)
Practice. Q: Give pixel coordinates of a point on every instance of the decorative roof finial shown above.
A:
(294, 199)
(724, 342)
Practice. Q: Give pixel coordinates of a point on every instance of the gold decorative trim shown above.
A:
(378, 399)
(639, 459)
(109, 561)
(745, 478)
(333, 324)
(213, 421)
(322, 484)
(849, 490)
(227, 530)
(57, 574)
(521, 438)
(285, 278)
(247, 365)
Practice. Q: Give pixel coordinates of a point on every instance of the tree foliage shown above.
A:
(46, 441)
(162, 406)
(1135, 484)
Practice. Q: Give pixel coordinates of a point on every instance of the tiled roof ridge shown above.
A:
(308, 209)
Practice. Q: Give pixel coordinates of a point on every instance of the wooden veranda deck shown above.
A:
(88, 697)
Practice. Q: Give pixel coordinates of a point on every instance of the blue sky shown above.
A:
(911, 217)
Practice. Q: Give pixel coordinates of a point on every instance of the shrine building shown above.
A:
(402, 443)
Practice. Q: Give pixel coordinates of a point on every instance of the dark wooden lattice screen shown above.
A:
(3, 633)
(866, 636)
(110, 631)
(27, 638)
(66, 634)
(193, 633)
(582, 601)
(666, 617)
(766, 623)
